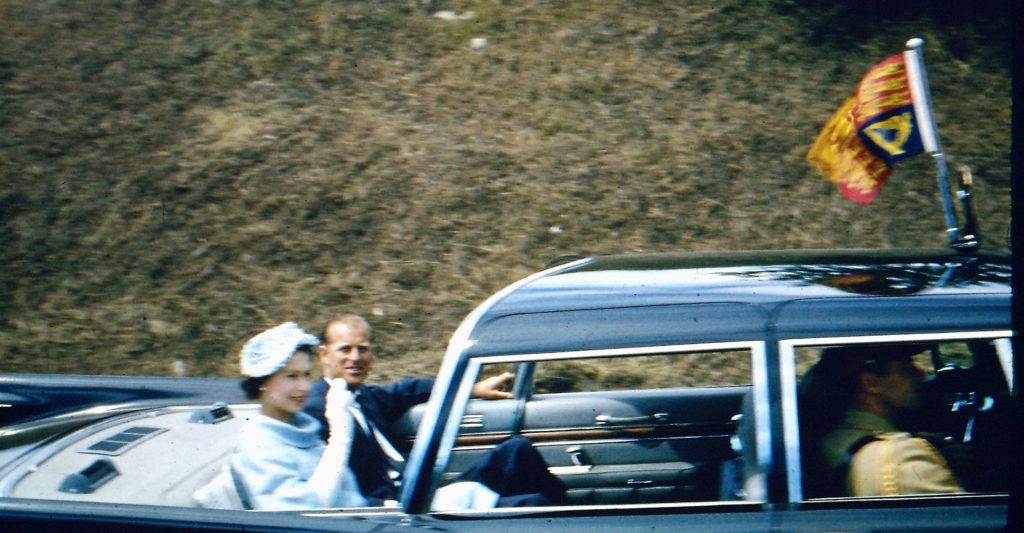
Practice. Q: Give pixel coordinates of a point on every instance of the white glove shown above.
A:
(337, 411)
(332, 478)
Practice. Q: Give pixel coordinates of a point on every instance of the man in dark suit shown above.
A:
(514, 470)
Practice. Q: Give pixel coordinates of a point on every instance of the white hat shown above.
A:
(269, 351)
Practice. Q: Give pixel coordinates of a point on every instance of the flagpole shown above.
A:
(919, 91)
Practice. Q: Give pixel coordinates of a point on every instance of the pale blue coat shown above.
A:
(275, 461)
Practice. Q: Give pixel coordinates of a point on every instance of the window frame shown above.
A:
(788, 380)
(759, 387)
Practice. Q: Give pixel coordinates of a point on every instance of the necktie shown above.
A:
(396, 463)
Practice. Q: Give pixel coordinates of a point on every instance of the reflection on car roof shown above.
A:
(685, 298)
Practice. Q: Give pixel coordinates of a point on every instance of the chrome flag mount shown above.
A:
(917, 78)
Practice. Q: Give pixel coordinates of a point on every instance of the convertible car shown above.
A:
(665, 391)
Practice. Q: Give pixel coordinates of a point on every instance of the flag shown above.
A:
(873, 129)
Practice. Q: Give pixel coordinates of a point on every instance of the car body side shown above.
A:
(767, 304)
(768, 300)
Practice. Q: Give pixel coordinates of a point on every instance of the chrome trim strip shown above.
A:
(594, 442)
(790, 427)
(762, 413)
(1004, 349)
(907, 337)
(570, 470)
(541, 512)
(620, 352)
(451, 429)
(534, 512)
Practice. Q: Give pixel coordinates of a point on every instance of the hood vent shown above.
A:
(219, 412)
(89, 478)
(121, 442)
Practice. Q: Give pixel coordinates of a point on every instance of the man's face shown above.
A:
(346, 353)
(898, 386)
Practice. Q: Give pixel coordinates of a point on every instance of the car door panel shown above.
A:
(612, 447)
(636, 446)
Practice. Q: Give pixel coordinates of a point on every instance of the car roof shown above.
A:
(669, 299)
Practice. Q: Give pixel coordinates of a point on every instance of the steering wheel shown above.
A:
(952, 402)
(968, 409)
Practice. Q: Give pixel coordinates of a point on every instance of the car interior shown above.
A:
(654, 428)
(964, 413)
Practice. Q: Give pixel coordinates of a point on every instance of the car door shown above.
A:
(645, 425)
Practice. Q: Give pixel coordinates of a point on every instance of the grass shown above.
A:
(179, 175)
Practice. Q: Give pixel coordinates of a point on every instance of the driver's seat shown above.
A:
(820, 408)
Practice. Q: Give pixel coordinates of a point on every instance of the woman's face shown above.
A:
(285, 392)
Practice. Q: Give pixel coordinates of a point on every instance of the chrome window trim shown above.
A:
(513, 512)
(562, 443)
(669, 349)
(1004, 349)
(787, 366)
(762, 415)
(759, 386)
(454, 422)
(454, 354)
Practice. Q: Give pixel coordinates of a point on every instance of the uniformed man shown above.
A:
(868, 453)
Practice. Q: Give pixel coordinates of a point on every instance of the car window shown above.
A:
(617, 428)
(700, 369)
(897, 417)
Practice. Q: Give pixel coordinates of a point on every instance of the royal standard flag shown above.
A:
(874, 128)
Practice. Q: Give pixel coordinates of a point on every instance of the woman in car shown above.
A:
(281, 460)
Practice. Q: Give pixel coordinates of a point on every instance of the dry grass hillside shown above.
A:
(180, 174)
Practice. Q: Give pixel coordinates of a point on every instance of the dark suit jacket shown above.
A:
(382, 405)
